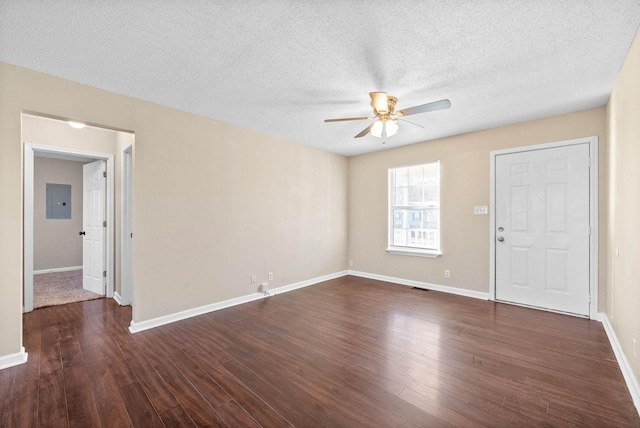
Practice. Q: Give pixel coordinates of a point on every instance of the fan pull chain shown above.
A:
(384, 135)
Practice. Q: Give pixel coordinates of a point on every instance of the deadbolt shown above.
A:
(501, 229)
(500, 239)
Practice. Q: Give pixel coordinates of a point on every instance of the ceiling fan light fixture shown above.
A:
(376, 129)
(380, 126)
(392, 127)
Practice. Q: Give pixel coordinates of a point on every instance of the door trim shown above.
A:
(29, 154)
(593, 213)
(126, 249)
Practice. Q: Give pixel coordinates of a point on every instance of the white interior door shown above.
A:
(93, 217)
(542, 228)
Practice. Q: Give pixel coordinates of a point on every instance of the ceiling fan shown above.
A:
(386, 119)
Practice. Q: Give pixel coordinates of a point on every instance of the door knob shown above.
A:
(82, 233)
(500, 238)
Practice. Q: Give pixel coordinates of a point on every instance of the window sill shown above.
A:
(432, 254)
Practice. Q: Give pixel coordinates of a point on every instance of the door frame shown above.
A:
(29, 154)
(126, 251)
(593, 213)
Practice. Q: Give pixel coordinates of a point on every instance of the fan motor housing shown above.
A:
(391, 102)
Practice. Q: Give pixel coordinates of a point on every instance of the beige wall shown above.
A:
(56, 243)
(464, 163)
(44, 131)
(623, 291)
(213, 203)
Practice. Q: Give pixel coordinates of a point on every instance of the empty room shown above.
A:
(382, 213)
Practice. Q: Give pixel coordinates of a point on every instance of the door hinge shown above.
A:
(104, 174)
(589, 162)
(104, 273)
(104, 223)
(589, 230)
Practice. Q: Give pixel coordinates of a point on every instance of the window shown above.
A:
(414, 210)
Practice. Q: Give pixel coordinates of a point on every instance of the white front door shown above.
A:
(93, 217)
(542, 228)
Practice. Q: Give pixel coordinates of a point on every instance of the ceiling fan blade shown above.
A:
(408, 127)
(410, 123)
(344, 119)
(436, 105)
(379, 102)
(365, 131)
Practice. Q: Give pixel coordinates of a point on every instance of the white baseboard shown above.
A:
(136, 327)
(425, 285)
(307, 283)
(625, 367)
(62, 269)
(117, 298)
(11, 360)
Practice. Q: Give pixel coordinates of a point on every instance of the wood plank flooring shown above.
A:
(348, 352)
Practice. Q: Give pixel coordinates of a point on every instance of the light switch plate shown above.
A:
(480, 210)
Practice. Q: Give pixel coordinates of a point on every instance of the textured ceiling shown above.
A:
(282, 66)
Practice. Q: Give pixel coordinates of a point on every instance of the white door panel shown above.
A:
(542, 228)
(93, 215)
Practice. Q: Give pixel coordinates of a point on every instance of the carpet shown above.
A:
(58, 288)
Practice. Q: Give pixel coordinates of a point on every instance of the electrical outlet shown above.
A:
(447, 273)
(350, 263)
(264, 287)
(270, 276)
(253, 279)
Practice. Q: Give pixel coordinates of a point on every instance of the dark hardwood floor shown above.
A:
(347, 352)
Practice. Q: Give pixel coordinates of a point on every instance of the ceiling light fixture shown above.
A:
(381, 126)
(392, 127)
(376, 129)
(77, 125)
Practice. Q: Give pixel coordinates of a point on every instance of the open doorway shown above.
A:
(63, 211)
(107, 246)
(52, 140)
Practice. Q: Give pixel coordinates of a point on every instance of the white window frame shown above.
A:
(407, 250)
